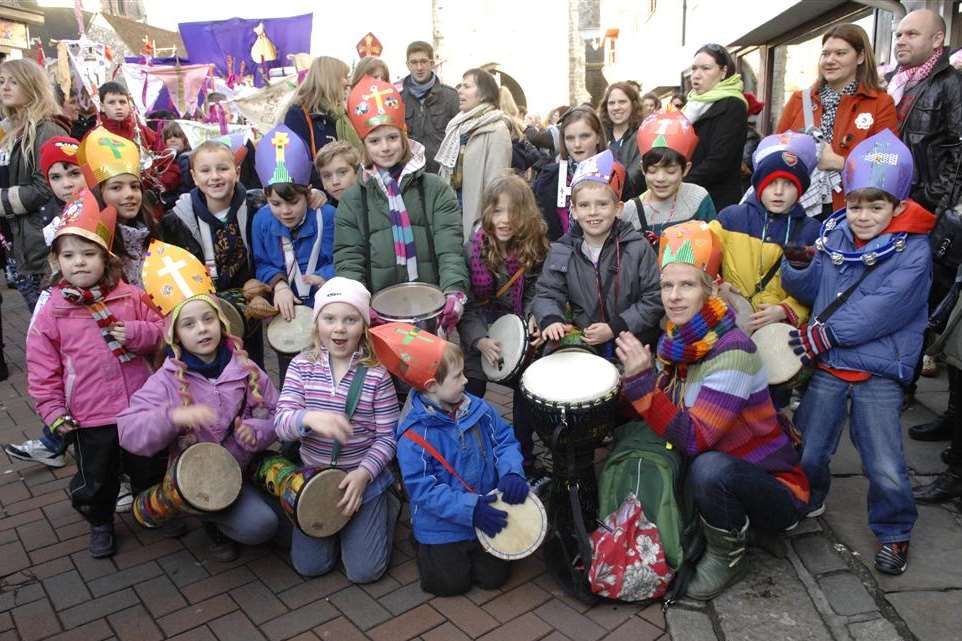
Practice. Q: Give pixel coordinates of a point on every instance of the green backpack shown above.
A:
(646, 465)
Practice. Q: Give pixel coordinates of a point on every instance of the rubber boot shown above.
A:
(722, 564)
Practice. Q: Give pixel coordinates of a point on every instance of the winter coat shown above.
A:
(932, 129)
(21, 202)
(70, 368)
(478, 444)
(269, 255)
(747, 256)
(427, 119)
(546, 195)
(627, 154)
(145, 427)
(364, 241)
(569, 278)
(324, 128)
(487, 155)
(879, 329)
(716, 164)
(860, 115)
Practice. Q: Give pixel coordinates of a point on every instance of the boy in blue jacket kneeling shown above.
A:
(454, 450)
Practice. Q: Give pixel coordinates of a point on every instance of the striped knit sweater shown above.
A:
(309, 385)
(723, 405)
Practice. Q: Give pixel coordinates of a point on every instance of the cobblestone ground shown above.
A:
(822, 589)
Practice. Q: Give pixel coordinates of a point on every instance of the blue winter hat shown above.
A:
(789, 155)
(880, 162)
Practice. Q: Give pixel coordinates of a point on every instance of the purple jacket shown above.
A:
(70, 368)
(145, 427)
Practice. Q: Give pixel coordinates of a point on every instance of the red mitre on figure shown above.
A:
(667, 129)
(409, 353)
(373, 103)
(369, 45)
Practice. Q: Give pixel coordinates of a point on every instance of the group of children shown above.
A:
(125, 285)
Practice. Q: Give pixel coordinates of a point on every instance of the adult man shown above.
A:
(428, 104)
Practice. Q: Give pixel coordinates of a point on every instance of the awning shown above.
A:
(792, 18)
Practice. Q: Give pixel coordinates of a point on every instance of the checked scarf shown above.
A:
(682, 345)
(92, 299)
(404, 248)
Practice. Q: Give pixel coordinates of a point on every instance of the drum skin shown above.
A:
(511, 333)
(524, 533)
(782, 364)
(419, 304)
(292, 337)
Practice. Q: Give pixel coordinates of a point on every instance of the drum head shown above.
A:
(317, 512)
(781, 363)
(743, 311)
(570, 376)
(208, 477)
(511, 333)
(408, 302)
(526, 529)
(235, 320)
(292, 337)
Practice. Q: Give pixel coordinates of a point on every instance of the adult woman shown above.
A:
(719, 112)
(476, 145)
(29, 106)
(710, 399)
(650, 104)
(621, 112)
(370, 66)
(316, 112)
(847, 103)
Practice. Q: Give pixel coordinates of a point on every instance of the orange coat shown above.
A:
(846, 133)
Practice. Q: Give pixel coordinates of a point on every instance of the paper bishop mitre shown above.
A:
(409, 353)
(103, 155)
(173, 275)
(83, 217)
(692, 243)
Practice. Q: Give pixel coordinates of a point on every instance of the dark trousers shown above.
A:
(450, 569)
(519, 420)
(100, 460)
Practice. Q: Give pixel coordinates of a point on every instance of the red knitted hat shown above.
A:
(58, 149)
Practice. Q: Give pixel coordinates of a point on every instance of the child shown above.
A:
(112, 167)
(666, 142)
(582, 136)
(292, 243)
(208, 389)
(756, 233)
(321, 386)
(398, 223)
(453, 449)
(867, 287)
(213, 222)
(504, 257)
(337, 164)
(175, 139)
(86, 357)
(602, 269)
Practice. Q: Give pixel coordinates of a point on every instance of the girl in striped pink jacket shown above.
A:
(314, 401)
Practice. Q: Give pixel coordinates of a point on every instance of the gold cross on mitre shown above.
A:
(280, 140)
(172, 268)
(377, 95)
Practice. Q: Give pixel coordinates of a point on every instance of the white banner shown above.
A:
(263, 108)
(198, 132)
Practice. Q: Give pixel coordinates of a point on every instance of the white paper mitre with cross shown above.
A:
(172, 275)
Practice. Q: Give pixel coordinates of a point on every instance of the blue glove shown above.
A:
(514, 489)
(486, 518)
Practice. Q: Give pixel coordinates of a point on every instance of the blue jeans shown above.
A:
(728, 489)
(873, 408)
(250, 520)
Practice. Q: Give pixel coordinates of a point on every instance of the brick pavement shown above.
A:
(154, 588)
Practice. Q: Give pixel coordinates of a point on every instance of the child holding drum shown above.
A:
(338, 388)
(86, 355)
(292, 243)
(454, 451)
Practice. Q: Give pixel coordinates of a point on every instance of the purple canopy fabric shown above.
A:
(212, 41)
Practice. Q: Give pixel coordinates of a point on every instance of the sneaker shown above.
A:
(815, 513)
(930, 368)
(35, 451)
(125, 499)
(892, 558)
(102, 541)
(222, 548)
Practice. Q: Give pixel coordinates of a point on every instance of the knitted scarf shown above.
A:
(92, 299)
(483, 282)
(458, 131)
(908, 77)
(698, 103)
(405, 251)
(682, 345)
(830, 100)
(419, 90)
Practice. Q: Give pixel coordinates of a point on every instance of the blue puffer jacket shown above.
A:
(880, 328)
(478, 444)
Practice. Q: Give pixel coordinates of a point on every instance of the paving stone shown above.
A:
(12, 558)
(160, 596)
(465, 614)
(124, 578)
(6, 622)
(519, 600)
(91, 568)
(575, 625)
(196, 614)
(60, 549)
(635, 629)
(182, 568)
(339, 629)
(818, 555)
(406, 572)
(359, 607)
(846, 594)
(98, 608)
(932, 616)
(275, 573)
(139, 555)
(37, 535)
(525, 628)
(66, 590)
(13, 492)
(382, 586)
(403, 599)
(445, 632)
(314, 589)
(35, 620)
(874, 630)
(202, 633)
(612, 615)
(408, 625)
(257, 602)
(689, 625)
(217, 584)
(523, 571)
(94, 631)
(235, 627)
(300, 620)
(33, 504)
(20, 595)
(654, 614)
(134, 624)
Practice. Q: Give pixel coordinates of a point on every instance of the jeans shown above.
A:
(250, 520)
(876, 431)
(728, 489)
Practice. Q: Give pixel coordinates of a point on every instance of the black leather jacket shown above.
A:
(427, 119)
(932, 130)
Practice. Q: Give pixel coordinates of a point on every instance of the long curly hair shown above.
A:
(39, 104)
(529, 244)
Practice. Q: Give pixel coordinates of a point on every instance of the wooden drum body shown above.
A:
(308, 496)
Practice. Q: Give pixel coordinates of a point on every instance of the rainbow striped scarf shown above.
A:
(691, 342)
